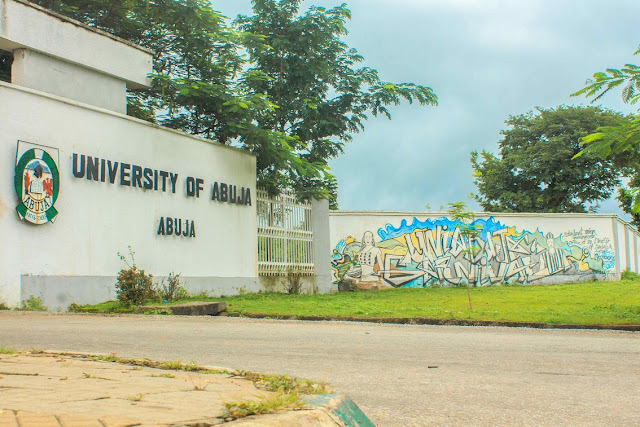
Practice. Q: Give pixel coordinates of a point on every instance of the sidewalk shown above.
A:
(51, 389)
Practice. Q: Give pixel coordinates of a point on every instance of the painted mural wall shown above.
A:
(413, 252)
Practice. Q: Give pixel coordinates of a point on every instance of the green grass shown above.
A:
(584, 303)
(591, 303)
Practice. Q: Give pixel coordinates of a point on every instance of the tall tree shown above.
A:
(534, 171)
(313, 76)
(294, 101)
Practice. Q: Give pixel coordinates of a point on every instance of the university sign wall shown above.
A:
(37, 182)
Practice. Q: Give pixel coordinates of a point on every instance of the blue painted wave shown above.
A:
(486, 226)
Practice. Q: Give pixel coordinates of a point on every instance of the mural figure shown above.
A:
(430, 252)
(368, 258)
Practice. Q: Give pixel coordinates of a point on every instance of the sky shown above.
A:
(485, 60)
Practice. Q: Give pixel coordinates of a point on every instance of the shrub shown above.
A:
(33, 304)
(629, 275)
(134, 286)
(173, 290)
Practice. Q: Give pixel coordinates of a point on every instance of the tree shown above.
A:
(619, 141)
(458, 212)
(293, 102)
(534, 171)
(323, 97)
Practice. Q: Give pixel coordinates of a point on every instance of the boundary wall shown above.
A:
(415, 249)
(101, 210)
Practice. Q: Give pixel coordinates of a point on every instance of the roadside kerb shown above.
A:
(436, 322)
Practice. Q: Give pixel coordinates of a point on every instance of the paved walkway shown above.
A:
(42, 390)
(399, 375)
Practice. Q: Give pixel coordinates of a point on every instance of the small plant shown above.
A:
(293, 285)
(172, 290)
(4, 306)
(629, 275)
(7, 350)
(163, 376)
(33, 304)
(88, 375)
(470, 232)
(136, 398)
(286, 384)
(245, 408)
(134, 286)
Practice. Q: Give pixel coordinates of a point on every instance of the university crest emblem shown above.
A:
(37, 182)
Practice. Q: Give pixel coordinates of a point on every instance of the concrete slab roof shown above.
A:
(27, 25)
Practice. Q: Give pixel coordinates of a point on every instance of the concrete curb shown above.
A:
(341, 407)
(437, 322)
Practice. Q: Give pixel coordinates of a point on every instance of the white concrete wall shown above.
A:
(75, 258)
(568, 247)
(47, 74)
(26, 25)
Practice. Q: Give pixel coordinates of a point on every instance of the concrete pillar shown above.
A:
(321, 245)
(51, 75)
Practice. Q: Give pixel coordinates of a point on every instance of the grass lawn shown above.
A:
(589, 303)
(584, 303)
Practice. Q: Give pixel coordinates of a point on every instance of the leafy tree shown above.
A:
(294, 101)
(534, 171)
(619, 141)
(313, 76)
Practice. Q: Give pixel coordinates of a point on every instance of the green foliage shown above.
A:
(294, 100)
(286, 384)
(4, 306)
(7, 350)
(266, 405)
(172, 290)
(533, 171)
(628, 77)
(620, 141)
(6, 60)
(323, 96)
(589, 303)
(133, 285)
(33, 303)
(629, 275)
(458, 212)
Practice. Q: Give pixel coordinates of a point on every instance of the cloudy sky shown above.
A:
(486, 60)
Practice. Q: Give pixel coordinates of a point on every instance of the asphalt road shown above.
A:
(400, 375)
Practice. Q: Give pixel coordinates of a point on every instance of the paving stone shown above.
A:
(8, 419)
(30, 419)
(78, 421)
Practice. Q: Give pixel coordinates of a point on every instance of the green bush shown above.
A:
(629, 275)
(173, 290)
(33, 304)
(134, 286)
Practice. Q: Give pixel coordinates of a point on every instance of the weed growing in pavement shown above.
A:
(269, 404)
(88, 375)
(4, 306)
(163, 375)
(136, 398)
(7, 350)
(286, 384)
